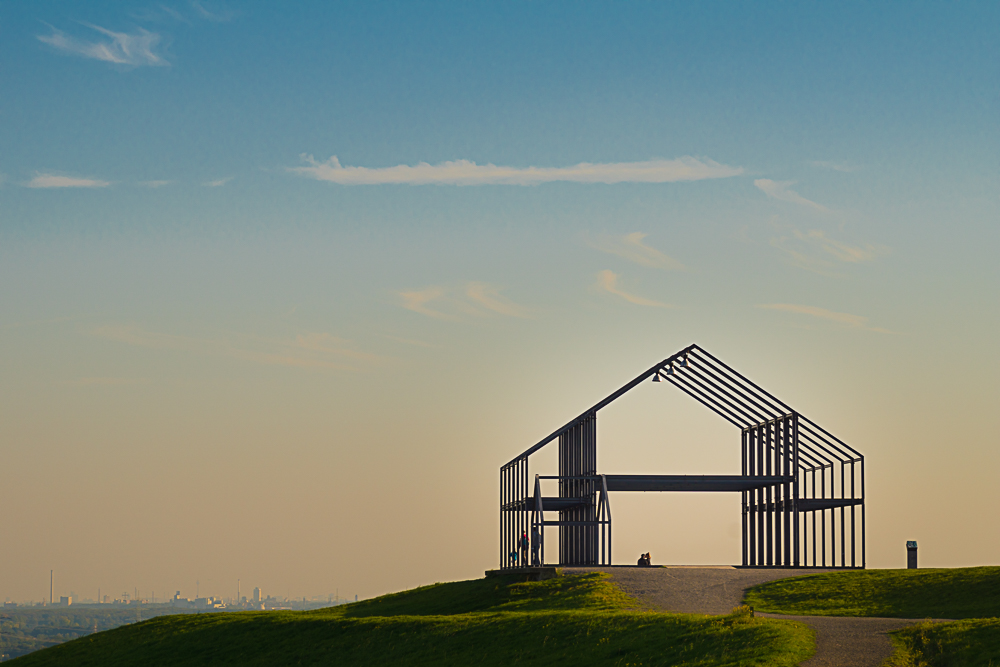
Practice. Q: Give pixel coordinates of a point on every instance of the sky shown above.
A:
(283, 286)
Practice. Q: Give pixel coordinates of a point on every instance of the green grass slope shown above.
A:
(581, 619)
(968, 643)
(972, 592)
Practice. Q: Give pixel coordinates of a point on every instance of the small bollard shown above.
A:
(911, 555)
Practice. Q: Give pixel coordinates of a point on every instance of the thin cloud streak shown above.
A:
(408, 341)
(490, 298)
(313, 350)
(780, 190)
(632, 248)
(122, 48)
(218, 183)
(104, 382)
(475, 299)
(836, 166)
(608, 282)
(815, 251)
(224, 16)
(417, 301)
(42, 180)
(465, 172)
(846, 319)
(154, 184)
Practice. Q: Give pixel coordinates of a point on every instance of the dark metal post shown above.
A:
(795, 490)
(864, 562)
(760, 499)
(743, 471)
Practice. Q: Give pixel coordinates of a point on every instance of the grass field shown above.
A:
(580, 619)
(968, 643)
(972, 592)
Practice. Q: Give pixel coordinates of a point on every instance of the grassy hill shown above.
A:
(971, 592)
(967, 643)
(580, 619)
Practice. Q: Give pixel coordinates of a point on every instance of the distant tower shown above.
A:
(51, 579)
(257, 595)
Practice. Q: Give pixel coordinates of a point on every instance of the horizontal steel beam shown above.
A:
(813, 504)
(553, 504)
(693, 482)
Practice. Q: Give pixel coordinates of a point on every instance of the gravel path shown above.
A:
(840, 641)
(691, 590)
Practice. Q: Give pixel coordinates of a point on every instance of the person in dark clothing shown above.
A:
(524, 550)
(644, 560)
(536, 543)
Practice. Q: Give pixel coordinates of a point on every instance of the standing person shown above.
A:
(525, 543)
(536, 543)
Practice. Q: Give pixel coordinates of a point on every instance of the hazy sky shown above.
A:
(282, 286)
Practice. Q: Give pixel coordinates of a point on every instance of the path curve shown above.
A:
(840, 641)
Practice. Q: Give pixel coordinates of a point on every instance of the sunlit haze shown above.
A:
(282, 285)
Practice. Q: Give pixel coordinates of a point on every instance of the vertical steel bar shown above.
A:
(503, 537)
(770, 510)
(795, 491)
(760, 498)
(833, 520)
(843, 523)
(864, 562)
(787, 464)
(743, 471)
(776, 440)
(752, 451)
(822, 516)
(853, 529)
(814, 516)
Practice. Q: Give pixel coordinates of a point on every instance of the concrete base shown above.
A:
(526, 573)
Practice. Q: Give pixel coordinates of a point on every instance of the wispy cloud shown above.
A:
(815, 251)
(310, 350)
(489, 297)
(218, 183)
(32, 323)
(632, 248)
(219, 14)
(846, 319)
(836, 166)
(465, 172)
(121, 48)
(417, 301)
(780, 190)
(476, 299)
(154, 184)
(607, 281)
(42, 180)
(104, 382)
(408, 341)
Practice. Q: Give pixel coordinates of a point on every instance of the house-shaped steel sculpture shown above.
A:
(795, 477)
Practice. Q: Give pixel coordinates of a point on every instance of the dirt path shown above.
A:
(840, 641)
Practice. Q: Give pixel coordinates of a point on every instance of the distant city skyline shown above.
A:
(282, 286)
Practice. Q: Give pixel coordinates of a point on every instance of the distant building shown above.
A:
(258, 596)
(65, 601)
(209, 603)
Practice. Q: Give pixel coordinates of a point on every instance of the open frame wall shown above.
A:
(803, 489)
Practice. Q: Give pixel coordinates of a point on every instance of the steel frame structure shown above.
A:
(795, 476)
